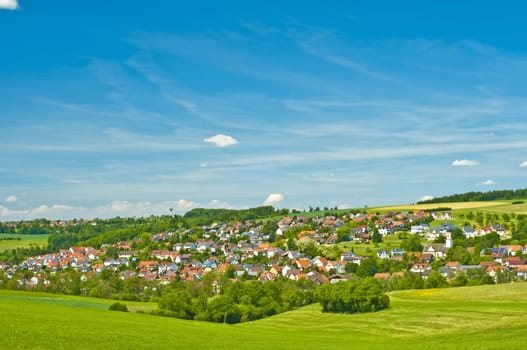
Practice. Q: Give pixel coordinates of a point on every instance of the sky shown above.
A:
(131, 108)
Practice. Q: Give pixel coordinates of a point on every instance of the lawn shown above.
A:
(485, 317)
(389, 242)
(25, 240)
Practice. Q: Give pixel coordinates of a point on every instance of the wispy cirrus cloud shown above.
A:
(488, 182)
(464, 162)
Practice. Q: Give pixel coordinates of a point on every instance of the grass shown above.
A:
(453, 206)
(25, 240)
(389, 242)
(483, 317)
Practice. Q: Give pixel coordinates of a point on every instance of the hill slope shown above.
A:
(485, 317)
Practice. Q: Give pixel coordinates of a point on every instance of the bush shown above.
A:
(118, 307)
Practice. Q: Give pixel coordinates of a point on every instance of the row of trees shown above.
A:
(234, 302)
(364, 295)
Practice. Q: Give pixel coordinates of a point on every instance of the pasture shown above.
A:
(483, 317)
(24, 242)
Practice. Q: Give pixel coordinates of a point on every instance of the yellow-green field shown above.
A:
(453, 206)
(25, 241)
(483, 317)
(389, 242)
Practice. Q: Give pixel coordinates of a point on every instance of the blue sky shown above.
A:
(131, 108)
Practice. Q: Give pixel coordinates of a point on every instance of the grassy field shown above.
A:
(25, 241)
(485, 317)
(453, 206)
(389, 242)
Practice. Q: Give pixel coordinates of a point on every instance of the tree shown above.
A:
(364, 295)
(412, 244)
(435, 280)
(367, 268)
(179, 302)
(376, 237)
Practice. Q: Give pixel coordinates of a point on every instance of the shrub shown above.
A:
(118, 307)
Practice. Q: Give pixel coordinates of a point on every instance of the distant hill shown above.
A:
(479, 196)
(207, 216)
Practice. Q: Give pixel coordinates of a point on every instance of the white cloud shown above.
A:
(464, 162)
(344, 206)
(274, 199)
(426, 198)
(203, 165)
(116, 208)
(219, 204)
(221, 140)
(11, 199)
(488, 182)
(9, 4)
(524, 164)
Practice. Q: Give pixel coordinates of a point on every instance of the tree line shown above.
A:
(479, 196)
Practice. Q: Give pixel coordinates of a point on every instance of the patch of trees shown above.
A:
(201, 216)
(234, 302)
(19, 254)
(479, 196)
(364, 295)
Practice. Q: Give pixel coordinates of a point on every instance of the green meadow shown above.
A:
(24, 242)
(483, 317)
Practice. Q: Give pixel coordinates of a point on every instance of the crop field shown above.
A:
(25, 240)
(509, 208)
(453, 206)
(483, 317)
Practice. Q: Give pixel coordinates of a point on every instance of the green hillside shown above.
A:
(484, 317)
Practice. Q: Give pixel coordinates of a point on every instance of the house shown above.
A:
(383, 254)
(438, 250)
(317, 277)
(513, 261)
(420, 268)
(397, 251)
(382, 276)
(469, 231)
(512, 249)
(418, 229)
(521, 272)
(348, 256)
(320, 263)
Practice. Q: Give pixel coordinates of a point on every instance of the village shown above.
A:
(296, 247)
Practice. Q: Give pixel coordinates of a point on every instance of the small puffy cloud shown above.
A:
(219, 204)
(203, 165)
(488, 182)
(184, 204)
(426, 198)
(343, 206)
(464, 162)
(221, 140)
(8, 4)
(274, 199)
(120, 206)
(524, 164)
(11, 199)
